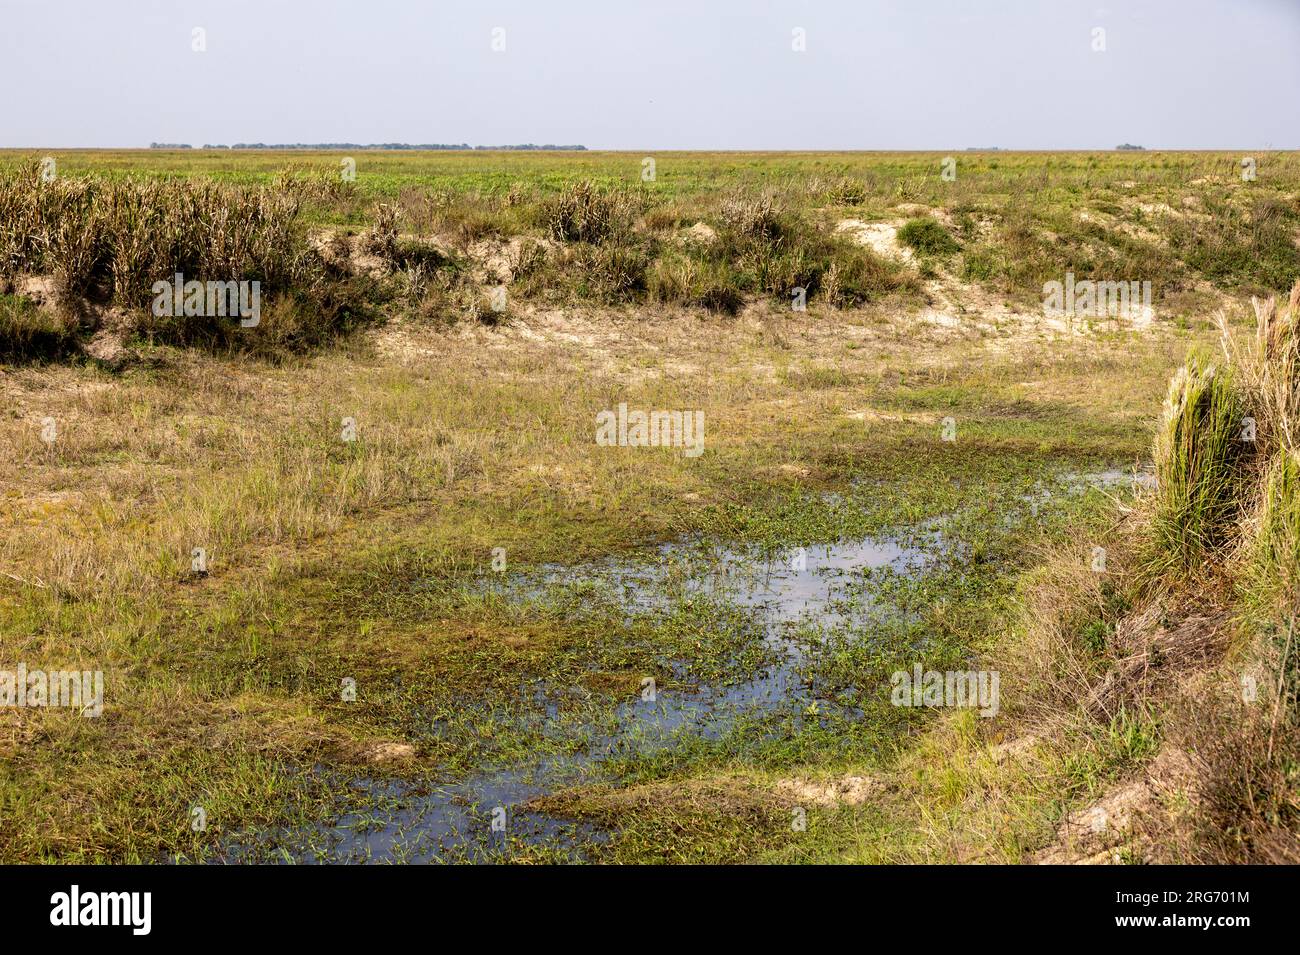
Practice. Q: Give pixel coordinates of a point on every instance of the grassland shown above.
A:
(371, 560)
(1010, 221)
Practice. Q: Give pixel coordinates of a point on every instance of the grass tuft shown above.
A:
(927, 237)
(585, 213)
(1198, 451)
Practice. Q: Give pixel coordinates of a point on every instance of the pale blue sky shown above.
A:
(658, 74)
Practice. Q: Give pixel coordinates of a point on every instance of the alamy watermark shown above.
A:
(195, 299)
(75, 907)
(77, 689)
(1097, 299)
(957, 688)
(651, 429)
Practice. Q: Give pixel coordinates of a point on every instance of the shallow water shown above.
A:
(795, 596)
(794, 592)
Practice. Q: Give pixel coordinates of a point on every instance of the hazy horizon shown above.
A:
(732, 76)
(649, 149)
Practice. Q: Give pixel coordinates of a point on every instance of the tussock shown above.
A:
(1200, 450)
(584, 213)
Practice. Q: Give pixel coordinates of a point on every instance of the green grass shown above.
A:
(1273, 572)
(928, 237)
(1200, 455)
(30, 333)
(320, 554)
(1019, 219)
(370, 560)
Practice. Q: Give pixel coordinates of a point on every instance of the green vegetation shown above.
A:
(1007, 224)
(376, 560)
(1198, 447)
(927, 237)
(28, 332)
(1160, 694)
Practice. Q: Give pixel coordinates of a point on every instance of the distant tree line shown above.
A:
(360, 146)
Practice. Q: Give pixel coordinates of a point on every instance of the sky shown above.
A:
(657, 74)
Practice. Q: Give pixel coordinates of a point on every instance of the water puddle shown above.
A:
(795, 600)
(478, 820)
(791, 597)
